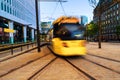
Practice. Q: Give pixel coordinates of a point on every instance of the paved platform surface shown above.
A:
(16, 68)
(110, 50)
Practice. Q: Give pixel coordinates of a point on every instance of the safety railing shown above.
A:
(13, 48)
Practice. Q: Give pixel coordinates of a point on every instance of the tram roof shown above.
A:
(65, 19)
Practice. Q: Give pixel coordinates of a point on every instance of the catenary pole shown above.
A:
(37, 26)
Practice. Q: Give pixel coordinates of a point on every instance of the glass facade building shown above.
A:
(84, 20)
(19, 17)
(21, 11)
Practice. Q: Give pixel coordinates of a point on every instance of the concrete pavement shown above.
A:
(109, 50)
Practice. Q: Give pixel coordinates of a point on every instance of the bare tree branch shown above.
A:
(116, 0)
(93, 3)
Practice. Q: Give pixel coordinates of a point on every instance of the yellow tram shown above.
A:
(68, 37)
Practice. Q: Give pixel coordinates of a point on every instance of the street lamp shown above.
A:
(37, 19)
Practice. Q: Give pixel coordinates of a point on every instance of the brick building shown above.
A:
(109, 12)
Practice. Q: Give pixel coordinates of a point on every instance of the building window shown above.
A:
(8, 9)
(7, 1)
(117, 18)
(117, 6)
(4, 7)
(1, 5)
(117, 12)
(10, 1)
(13, 11)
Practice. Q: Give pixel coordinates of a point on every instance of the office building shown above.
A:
(17, 20)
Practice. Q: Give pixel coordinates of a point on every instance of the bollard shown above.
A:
(12, 49)
(27, 46)
(21, 48)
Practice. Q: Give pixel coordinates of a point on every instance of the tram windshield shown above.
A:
(70, 31)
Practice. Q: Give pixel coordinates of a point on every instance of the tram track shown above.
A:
(12, 69)
(86, 74)
(49, 61)
(34, 75)
(74, 66)
(21, 53)
(91, 76)
(104, 57)
(13, 56)
(93, 62)
(101, 65)
(23, 65)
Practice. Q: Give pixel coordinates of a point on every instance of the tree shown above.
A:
(92, 30)
(116, 0)
(93, 3)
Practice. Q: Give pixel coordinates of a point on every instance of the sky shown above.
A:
(50, 11)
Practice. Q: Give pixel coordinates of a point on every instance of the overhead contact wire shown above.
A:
(54, 10)
(62, 7)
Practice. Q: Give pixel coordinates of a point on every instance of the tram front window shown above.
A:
(71, 32)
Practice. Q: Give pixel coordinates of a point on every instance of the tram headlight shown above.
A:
(64, 44)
